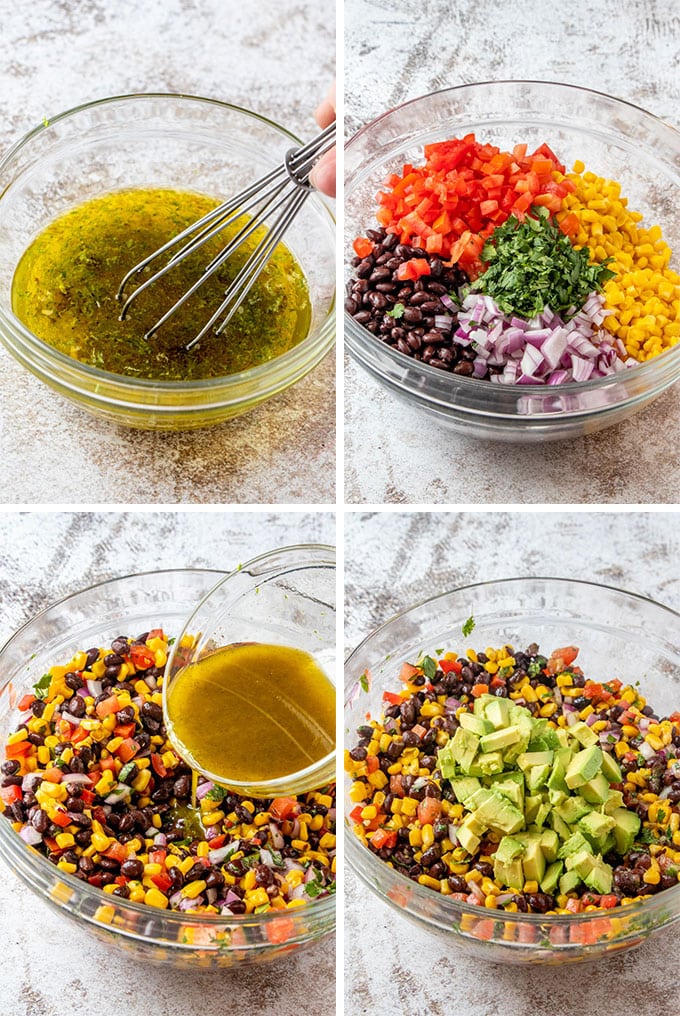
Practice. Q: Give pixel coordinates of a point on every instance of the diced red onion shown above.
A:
(211, 895)
(448, 302)
(77, 778)
(453, 833)
(298, 893)
(231, 897)
(30, 781)
(266, 857)
(452, 705)
(203, 789)
(75, 720)
(291, 865)
(593, 718)
(646, 750)
(276, 835)
(30, 835)
(221, 853)
(443, 321)
(94, 688)
(187, 904)
(160, 840)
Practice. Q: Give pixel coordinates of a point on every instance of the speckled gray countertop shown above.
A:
(51, 967)
(274, 57)
(396, 51)
(394, 560)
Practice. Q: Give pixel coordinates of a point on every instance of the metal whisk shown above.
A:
(273, 202)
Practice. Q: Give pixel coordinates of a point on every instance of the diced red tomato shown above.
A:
(362, 246)
(156, 633)
(124, 729)
(108, 763)
(392, 698)
(142, 657)
(87, 797)
(413, 269)
(53, 774)
(284, 807)
(60, 818)
(462, 192)
(157, 765)
(561, 658)
(408, 672)
(280, 930)
(18, 749)
(429, 810)
(384, 838)
(355, 813)
(117, 852)
(127, 749)
(372, 763)
(25, 702)
(157, 856)
(419, 729)
(480, 689)
(110, 705)
(11, 794)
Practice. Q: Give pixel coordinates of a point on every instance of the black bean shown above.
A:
(132, 868)
(75, 706)
(37, 707)
(413, 315)
(73, 681)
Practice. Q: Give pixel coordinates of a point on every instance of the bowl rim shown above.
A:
(287, 557)
(174, 917)
(356, 852)
(477, 384)
(97, 376)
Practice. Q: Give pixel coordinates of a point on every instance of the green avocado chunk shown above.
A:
(584, 765)
(626, 827)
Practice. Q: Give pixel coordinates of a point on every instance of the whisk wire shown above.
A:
(287, 185)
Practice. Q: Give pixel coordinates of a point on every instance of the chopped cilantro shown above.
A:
(469, 626)
(532, 264)
(646, 836)
(397, 311)
(262, 908)
(429, 667)
(315, 885)
(365, 681)
(172, 641)
(42, 686)
(216, 794)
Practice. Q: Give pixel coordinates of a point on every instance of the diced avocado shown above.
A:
(614, 801)
(556, 797)
(446, 762)
(500, 814)
(550, 844)
(572, 809)
(523, 721)
(497, 712)
(626, 828)
(582, 863)
(528, 759)
(584, 734)
(583, 766)
(509, 848)
(470, 834)
(464, 745)
(509, 873)
(595, 791)
(562, 735)
(560, 826)
(610, 768)
(510, 785)
(556, 778)
(574, 845)
(531, 805)
(552, 876)
(600, 877)
(569, 882)
(609, 843)
(480, 706)
(500, 739)
(536, 777)
(490, 763)
(477, 724)
(595, 828)
(533, 861)
(542, 813)
(464, 787)
(479, 798)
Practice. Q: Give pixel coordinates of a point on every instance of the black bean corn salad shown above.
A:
(91, 781)
(409, 812)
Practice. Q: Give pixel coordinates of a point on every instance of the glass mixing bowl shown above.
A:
(614, 139)
(94, 617)
(285, 597)
(620, 635)
(173, 141)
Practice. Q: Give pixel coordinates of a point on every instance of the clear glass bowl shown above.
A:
(173, 141)
(620, 635)
(285, 597)
(95, 616)
(614, 139)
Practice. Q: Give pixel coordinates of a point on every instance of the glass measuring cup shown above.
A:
(283, 598)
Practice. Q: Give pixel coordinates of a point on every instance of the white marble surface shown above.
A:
(274, 56)
(50, 967)
(397, 50)
(393, 560)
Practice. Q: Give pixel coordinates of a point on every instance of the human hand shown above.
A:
(323, 174)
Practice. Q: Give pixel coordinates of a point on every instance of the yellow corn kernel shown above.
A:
(427, 880)
(155, 898)
(652, 876)
(415, 837)
(213, 818)
(101, 842)
(194, 889)
(428, 836)
(531, 887)
(327, 841)
(358, 792)
(67, 866)
(64, 840)
(141, 780)
(409, 806)
(258, 897)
